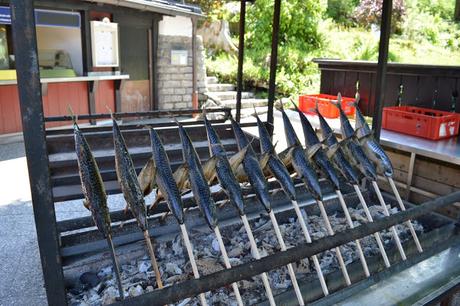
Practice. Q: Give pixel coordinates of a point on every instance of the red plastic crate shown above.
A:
(422, 122)
(307, 104)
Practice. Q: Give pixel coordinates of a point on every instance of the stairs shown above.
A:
(224, 95)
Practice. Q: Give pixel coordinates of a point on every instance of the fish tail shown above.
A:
(72, 114)
(110, 112)
(338, 103)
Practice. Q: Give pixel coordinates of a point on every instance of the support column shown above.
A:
(239, 76)
(30, 97)
(385, 28)
(273, 65)
(194, 77)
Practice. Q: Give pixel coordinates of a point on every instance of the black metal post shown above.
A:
(273, 65)
(30, 97)
(239, 76)
(385, 28)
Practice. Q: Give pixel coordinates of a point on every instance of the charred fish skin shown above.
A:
(299, 161)
(339, 158)
(127, 178)
(274, 163)
(354, 151)
(370, 145)
(291, 136)
(164, 177)
(311, 140)
(224, 171)
(251, 167)
(92, 184)
(198, 182)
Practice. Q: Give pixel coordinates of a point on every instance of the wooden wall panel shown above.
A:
(365, 89)
(62, 95)
(392, 89)
(427, 91)
(446, 88)
(410, 90)
(105, 96)
(10, 114)
(327, 81)
(339, 82)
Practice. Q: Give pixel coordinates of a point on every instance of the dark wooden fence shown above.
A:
(422, 85)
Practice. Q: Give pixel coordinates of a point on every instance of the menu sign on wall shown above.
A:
(104, 43)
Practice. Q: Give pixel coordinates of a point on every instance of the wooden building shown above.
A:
(124, 55)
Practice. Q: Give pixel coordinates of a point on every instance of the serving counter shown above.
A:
(84, 94)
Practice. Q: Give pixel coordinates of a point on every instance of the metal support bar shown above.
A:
(118, 84)
(155, 35)
(30, 97)
(156, 113)
(92, 89)
(273, 65)
(410, 174)
(222, 278)
(194, 77)
(239, 76)
(385, 28)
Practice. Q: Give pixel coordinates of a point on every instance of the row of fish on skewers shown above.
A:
(355, 157)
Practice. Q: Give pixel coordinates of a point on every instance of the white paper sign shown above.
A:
(104, 44)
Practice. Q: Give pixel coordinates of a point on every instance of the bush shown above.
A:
(341, 11)
(369, 12)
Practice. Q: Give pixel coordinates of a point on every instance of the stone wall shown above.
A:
(175, 81)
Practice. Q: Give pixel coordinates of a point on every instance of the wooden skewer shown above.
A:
(116, 267)
(289, 266)
(403, 208)
(153, 259)
(256, 254)
(227, 264)
(189, 248)
(303, 225)
(337, 249)
(370, 219)
(387, 213)
(350, 224)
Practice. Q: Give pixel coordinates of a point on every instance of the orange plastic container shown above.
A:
(423, 122)
(307, 104)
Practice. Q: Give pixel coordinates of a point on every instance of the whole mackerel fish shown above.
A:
(299, 161)
(92, 184)
(319, 156)
(275, 165)
(164, 177)
(352, 148)
(335, 151)
(252, 168)
(198, 182)
(371, 147)
(127, 178)
(223, 168)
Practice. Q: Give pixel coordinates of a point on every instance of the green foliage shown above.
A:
(341, 11)
(213, 9)
(441, 8)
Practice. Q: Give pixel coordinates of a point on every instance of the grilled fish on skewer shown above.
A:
(165, 181)
(351, 147)
(95, 196)
(252, 168)
(312, 143)
(127, 178)
(338, 157)
(283, 176)
(259, 183)
(301, 165)
(371, 147)
(378, 155)
(223, 168)
(202, 195)
(299, 161)
(227, 179)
